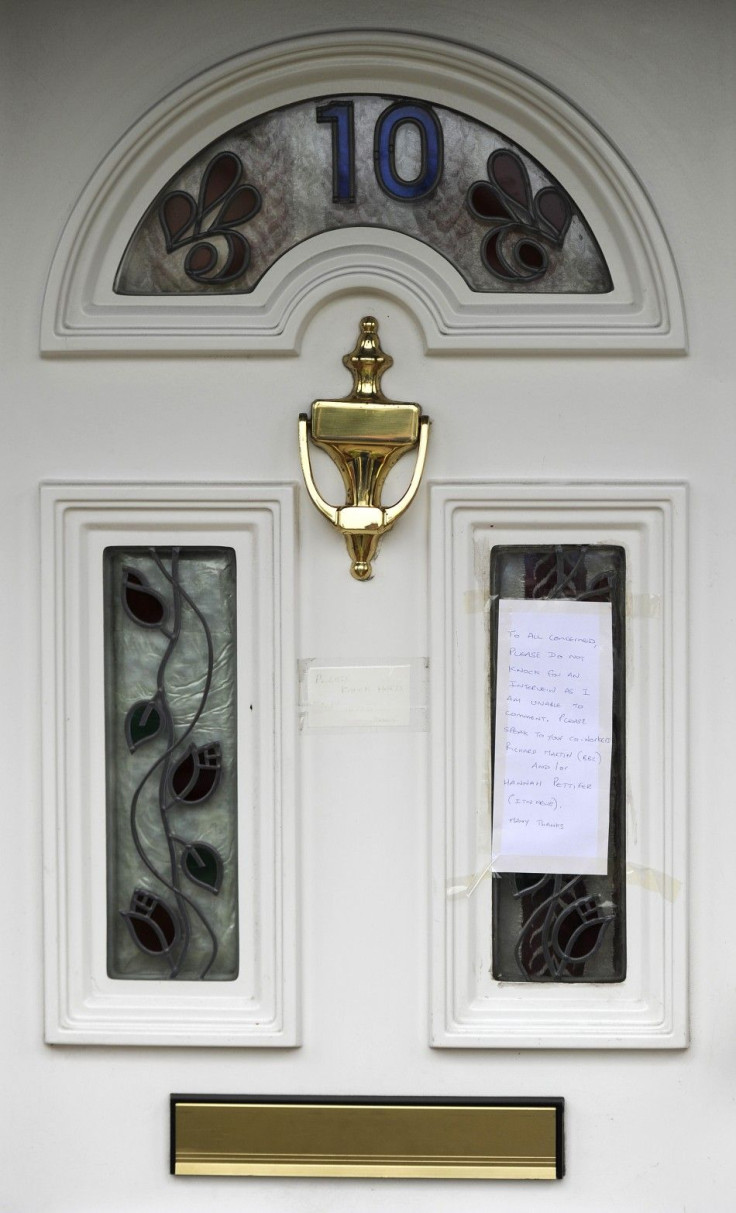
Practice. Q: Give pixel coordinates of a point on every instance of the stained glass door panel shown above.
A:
(565, 927)
(171, 763)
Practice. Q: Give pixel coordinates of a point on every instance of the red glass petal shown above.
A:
(184, 774)
(151, 924)
(196, 776)
(242, 206)
(165, 922)
(484, 201)
(554, 209)
(579, 930)
(510, 175)
(221, 175)
(203, 787)
(200, 260)
(177, 212)
(145, 934)
(141, 602)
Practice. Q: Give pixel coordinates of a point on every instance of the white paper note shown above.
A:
(552, 770)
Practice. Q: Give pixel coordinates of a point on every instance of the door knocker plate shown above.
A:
(364, 434)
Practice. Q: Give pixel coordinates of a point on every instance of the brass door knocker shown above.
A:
(365, 434)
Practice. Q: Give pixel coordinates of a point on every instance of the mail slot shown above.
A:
(369, 1136)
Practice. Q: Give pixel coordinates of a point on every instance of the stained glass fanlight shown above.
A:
(407, 165)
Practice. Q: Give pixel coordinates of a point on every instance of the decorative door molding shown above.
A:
(643, 312)
(83, 1004)
(649, 1008)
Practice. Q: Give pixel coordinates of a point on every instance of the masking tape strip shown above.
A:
(668, 887)
(653, 881)
(643, 606)
(474, 602)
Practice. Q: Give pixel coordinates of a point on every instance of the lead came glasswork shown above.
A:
(523, 226)
(185, 222)
(569, 927)
(170, 716)
(364, 160)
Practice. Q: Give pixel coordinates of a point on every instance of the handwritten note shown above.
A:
(552, 770)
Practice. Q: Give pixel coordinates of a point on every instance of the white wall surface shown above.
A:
(86, 1129)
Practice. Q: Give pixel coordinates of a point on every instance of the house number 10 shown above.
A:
(340, 115)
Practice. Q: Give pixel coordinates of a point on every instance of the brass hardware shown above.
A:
(365, 434)
(414, 1138)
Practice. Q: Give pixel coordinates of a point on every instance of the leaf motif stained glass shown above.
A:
(142, 723)
(203, 865)
(526, 226)
(152, 925)
(142, 603)
(170, 702)
(196, 775)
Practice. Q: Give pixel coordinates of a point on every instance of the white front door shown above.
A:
(87, 1127)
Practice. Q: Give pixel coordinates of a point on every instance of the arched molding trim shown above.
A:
(643, 313)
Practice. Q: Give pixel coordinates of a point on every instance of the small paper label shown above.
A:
(370, 696)
(554, 704)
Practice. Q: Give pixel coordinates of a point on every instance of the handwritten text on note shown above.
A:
(552, 770)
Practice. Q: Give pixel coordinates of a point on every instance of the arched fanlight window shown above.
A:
(452, 182)
(330, 163)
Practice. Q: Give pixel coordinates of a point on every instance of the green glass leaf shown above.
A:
(203, 865)
(142, 723)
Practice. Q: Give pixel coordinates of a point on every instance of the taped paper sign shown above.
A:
(368, 696)
(552, 770)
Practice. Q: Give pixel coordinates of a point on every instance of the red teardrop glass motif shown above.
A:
(151, 924)
(201, 259)
(183, 776)
(554, 209)
(243, 204)
(485, 202)
(196, 776)
(510, 175)
(221, 175)
(142, 602)
(177, 213)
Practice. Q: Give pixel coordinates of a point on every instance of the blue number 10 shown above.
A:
(423, 117)
(340, 114)
(384, 151)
